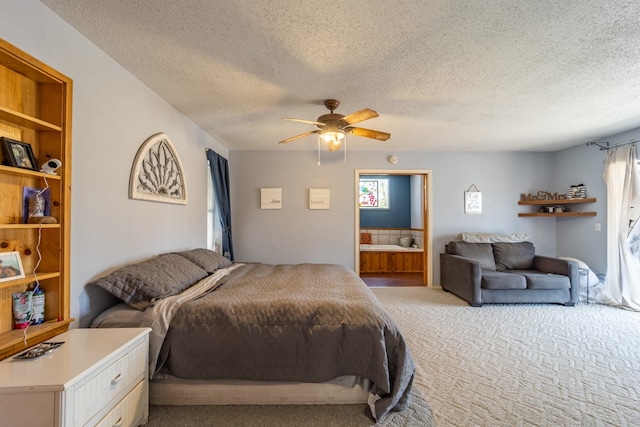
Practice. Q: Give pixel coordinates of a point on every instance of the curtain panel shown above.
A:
(220, 175)
(622, 176)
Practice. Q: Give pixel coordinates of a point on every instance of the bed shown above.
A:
(314, 332)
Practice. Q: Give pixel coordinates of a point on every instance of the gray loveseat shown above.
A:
(483, 273)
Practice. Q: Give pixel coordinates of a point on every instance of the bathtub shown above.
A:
(387, 248)
(390, 259)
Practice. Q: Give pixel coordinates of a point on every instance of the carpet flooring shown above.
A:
(496, 365)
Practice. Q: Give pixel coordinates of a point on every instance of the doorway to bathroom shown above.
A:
(393, 234)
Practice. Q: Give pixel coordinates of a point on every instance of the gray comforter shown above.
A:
(298, 323)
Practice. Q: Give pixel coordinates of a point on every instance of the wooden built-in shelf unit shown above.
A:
(35, 108)
(559, 202)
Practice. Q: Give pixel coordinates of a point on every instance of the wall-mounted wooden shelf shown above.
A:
(558, 202)
(557, 214)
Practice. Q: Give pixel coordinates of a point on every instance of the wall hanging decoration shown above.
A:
(271, 198)
(542, 195)
(319, 198)
(157, 173)
(473, 200)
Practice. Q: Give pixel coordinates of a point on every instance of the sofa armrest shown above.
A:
(461, 276)
(560, 266)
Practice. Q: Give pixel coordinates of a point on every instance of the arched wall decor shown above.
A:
(157, 173)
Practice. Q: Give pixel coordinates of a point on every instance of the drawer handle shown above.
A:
(116, 379)
(118, 423)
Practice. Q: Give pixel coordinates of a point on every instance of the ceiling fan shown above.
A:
(333, 127)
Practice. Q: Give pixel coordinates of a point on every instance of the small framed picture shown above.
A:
(10, 266)
(19, 154)
(473, 202)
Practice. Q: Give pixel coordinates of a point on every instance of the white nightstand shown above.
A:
(97, 377)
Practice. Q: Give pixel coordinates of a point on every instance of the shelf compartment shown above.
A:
(27, 121)
(557, 201)
(27, 226)
(26, 172)
(574, 214)
(29, 278)
(13, 342)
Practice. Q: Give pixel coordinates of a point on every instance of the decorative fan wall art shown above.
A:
(157, 173)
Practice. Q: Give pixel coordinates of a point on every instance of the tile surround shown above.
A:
(383, 236)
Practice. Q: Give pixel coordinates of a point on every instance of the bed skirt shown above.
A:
(196, 392)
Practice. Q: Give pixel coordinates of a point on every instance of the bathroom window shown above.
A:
(374, 193)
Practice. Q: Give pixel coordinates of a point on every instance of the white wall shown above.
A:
(585, 164)
(577, 237)
(113, 114)
(296, 234)
(417, 214)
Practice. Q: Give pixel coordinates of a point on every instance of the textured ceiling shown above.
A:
(443, 75)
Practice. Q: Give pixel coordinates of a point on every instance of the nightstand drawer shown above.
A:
(114, 380)
(130, 410)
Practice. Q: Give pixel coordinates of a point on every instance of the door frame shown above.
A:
(427, 273)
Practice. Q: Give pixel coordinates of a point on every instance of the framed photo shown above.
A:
(10, 266)
(19, 154)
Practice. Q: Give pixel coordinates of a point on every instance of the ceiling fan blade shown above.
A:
(360, 116)
(302, 135)
(368, 133)
(305, 121)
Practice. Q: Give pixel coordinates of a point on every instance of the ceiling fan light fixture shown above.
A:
(333, 137)
(333, 128)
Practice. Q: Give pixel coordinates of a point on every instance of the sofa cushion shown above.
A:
(539, 280)
(514, 256)
(481, 252)
(501, 280)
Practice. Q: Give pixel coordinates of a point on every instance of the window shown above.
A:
(214, 229)
(374, 193)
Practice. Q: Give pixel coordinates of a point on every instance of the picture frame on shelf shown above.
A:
(11, 266)
(19, 154)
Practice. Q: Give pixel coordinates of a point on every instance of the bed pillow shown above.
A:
(119, 316)
(478, 237)
(160, 277)
(206, 259)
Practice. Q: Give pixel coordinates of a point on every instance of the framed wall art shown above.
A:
(473, 200)
(19, 154)
(271, 198)
(157, 174)
(319, 198)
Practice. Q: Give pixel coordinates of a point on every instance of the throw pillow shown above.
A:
(481, 252)
(514, 256)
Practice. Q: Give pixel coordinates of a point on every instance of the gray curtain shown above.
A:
(220, 175)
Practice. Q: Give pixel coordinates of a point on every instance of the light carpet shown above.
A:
(497, 365)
